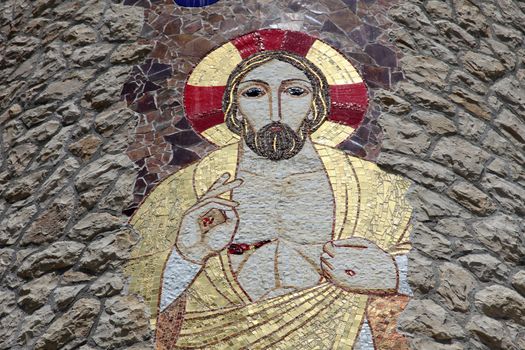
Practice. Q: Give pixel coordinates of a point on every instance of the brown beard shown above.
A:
(275, 141)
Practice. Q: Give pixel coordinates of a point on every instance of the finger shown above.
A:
(222, 201)
(222, 189)
(328, 248)
(221, 180)
(327, 272)
(198, 212)
(326, 256)
(354, 242)
(326, 263)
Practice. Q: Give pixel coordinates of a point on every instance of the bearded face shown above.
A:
(274, 101)
(275, 140)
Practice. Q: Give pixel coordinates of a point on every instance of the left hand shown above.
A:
(359, 265)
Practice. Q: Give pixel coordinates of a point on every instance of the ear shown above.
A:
(239, 116)
(310, 116)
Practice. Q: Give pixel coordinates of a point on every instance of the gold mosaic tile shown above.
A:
(336, 68)
(215, 310)
(216, 67)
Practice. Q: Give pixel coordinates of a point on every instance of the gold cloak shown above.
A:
(369, 203)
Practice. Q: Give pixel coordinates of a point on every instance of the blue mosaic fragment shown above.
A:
(195, 3)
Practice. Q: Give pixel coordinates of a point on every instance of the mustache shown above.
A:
(276, 140)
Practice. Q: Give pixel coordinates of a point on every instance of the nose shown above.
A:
(275, 103)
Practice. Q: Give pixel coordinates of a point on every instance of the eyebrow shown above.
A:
(265, 83)
(254, 81)
(295, 79)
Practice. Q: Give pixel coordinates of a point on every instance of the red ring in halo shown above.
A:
(203, 104)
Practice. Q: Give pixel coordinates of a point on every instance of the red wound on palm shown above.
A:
(350, 273)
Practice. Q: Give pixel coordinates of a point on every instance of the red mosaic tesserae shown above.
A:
(203, 104)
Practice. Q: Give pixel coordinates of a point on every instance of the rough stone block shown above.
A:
(500, 302)
(428, 318)
(123, 322)
(72, 327)
(456, 285)
(486, 267)
(501, 234)
(465, 158)
(57, 256)
(483, 66)
(471, 198)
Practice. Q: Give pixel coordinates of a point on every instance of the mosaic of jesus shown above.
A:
(277, 239)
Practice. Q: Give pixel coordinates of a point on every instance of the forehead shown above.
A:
(275, 71)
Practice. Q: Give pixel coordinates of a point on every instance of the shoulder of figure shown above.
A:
(164, 189)
(213, 165)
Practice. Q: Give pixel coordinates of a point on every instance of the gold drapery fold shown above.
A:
(369, 203)
(157, 220)
(323, 315)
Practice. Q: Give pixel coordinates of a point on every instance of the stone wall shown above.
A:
(454, 126)
(65, 177)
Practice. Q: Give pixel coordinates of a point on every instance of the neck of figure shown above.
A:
(306, 161)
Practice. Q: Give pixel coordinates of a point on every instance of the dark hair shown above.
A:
(320, 100)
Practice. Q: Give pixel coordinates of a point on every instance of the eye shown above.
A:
(254, 92)
(296, 91)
